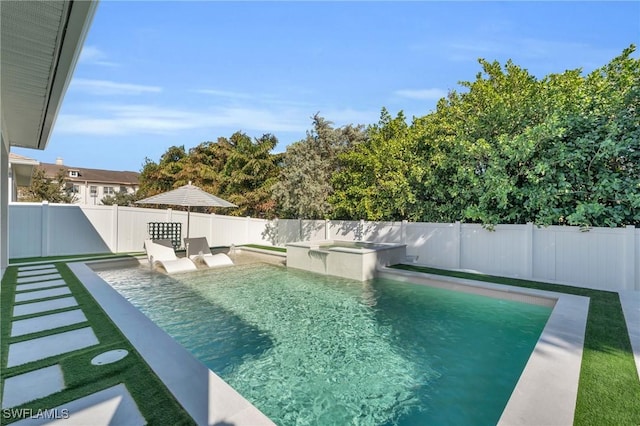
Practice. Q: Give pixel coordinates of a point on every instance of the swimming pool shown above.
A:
(311, 349)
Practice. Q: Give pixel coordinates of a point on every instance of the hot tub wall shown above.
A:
(363, 264)
(302, 256)
(356, 264)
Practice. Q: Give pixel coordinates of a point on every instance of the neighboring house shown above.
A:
(20, 172)
(92, 185)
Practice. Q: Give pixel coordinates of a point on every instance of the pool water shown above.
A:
(308, 349)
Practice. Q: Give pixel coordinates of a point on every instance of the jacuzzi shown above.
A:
(357, 260)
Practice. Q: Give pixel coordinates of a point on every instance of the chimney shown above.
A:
(59, 161)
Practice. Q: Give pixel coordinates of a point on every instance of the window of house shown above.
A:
(93, 190)
(75, 189)
(74, 173)
(123, 189)
(108, 190)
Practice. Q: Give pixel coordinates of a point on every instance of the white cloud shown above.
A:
(148, 119)
(423, 94)
(105, 87)
(126, 119)
(94, 56)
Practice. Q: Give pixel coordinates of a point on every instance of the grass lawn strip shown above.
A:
(81, 378)
(609, 390)
(50, 259)
(271, 248)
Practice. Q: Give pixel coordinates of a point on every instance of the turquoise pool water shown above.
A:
(308, 349)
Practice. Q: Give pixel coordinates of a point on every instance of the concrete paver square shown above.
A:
(46, 322)
(41, 294)
(25, 280)
(35, 286)
(44, 306)
(55, 344)
(32, 385)
(34, 267)
(111, 406)
(33, 272)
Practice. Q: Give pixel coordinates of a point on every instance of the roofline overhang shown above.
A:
(74, 32)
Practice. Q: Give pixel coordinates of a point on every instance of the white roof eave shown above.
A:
(72, 27)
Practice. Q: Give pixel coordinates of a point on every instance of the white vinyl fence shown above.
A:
(602, 258)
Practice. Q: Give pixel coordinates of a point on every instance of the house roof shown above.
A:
(41, 43)
(22, 168)
(92, 175)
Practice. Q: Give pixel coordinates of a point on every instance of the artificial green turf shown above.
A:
(154, 400)
(50, 259)
(272, 248)
(609, 389)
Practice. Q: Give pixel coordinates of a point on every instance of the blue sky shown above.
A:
(157, 74)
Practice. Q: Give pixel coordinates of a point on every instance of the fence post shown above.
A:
(211, 227)
(246, 230)
(44, 246)
(457, 243)
(300, 229)
(630, 257)
(528, 250)
(114, 228)
(403, 232)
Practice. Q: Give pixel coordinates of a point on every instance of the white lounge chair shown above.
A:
(161, 256)
(198, 250)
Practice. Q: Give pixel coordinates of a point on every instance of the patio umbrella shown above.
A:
(188, 196)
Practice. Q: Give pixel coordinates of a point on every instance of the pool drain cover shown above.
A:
(109, 357)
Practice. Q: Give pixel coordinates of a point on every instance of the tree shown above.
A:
(377, 178)
(304, 185)
(121, 198)
(161, 177)
(53, 190)
(249, 172)
(579, 165)
(238, 169)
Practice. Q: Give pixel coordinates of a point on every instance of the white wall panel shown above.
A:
(25, 230)
(594, 259)
(259, 231)
(71, 231)
(382, 232)
(286, 231)
(347, 230)
(133, 226)
(434, 244)
(498, 252)
(636, 260)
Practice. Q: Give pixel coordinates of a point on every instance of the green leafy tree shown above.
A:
(121, 198)
(579, 166)
(304, 184)
(238, 169)
(53, 190)
(160, 177)
(249, 172)
(377, 177)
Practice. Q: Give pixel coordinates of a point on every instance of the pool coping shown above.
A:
(547, 389)
(204, 395)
